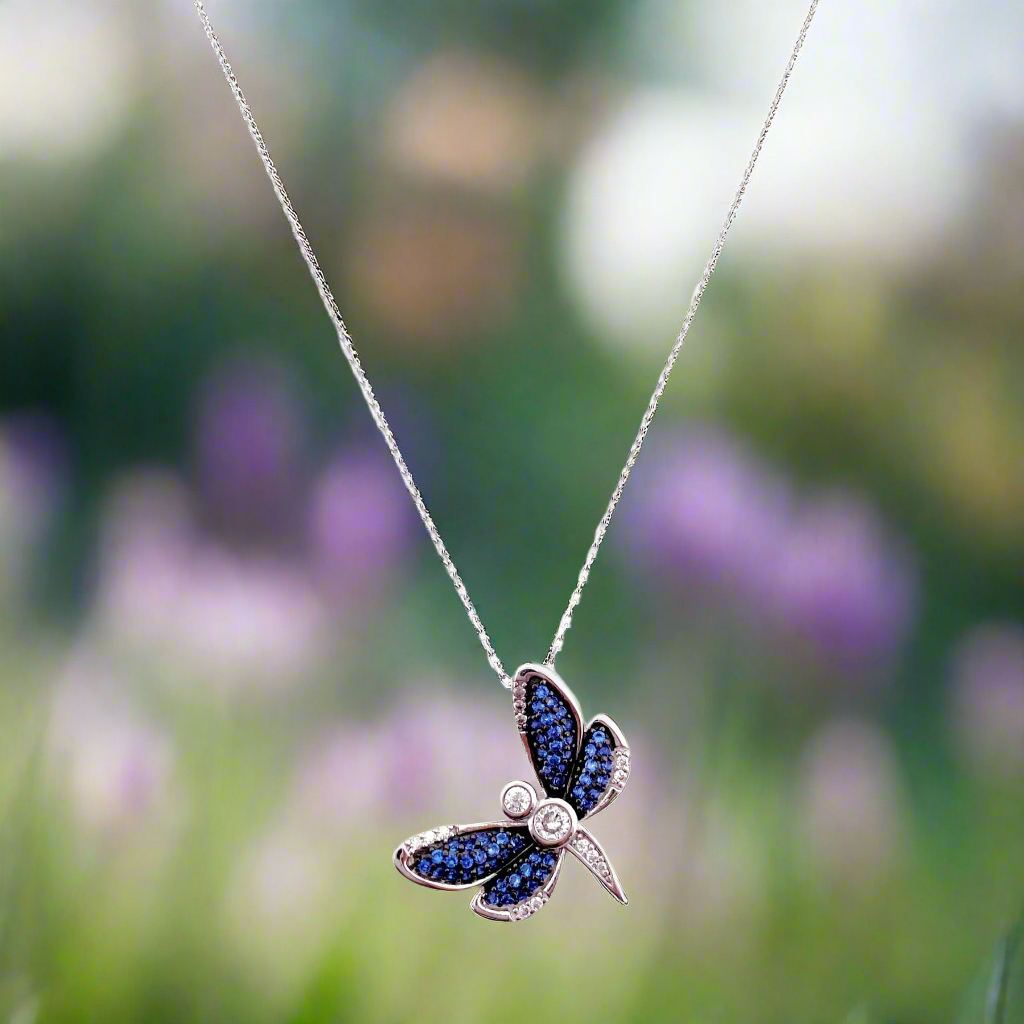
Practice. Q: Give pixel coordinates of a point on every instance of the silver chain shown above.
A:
(348, 348)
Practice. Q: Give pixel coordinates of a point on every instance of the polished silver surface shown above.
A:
(349, 351)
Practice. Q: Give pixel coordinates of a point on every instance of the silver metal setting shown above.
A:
(508, 795)
(355, 364)
(524, 909)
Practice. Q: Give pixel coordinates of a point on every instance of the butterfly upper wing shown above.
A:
(600, 771)
(460, 856)
(520, 888)
(550, 723)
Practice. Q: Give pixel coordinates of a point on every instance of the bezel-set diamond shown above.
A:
(553, 822)
(581, 768)
(518, 799)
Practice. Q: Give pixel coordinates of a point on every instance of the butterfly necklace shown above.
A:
(581, 768)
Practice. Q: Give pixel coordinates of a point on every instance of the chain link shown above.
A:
(349, 351)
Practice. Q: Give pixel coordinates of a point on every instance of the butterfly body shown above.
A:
(580, 770)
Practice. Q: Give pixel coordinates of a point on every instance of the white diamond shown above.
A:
(517, 801)
(553, 823)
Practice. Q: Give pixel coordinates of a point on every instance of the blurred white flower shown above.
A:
(850, 802)
(840, 173)
(115, 766)
(279, 903)
(645, 202)
(987, 700)
(66, 77)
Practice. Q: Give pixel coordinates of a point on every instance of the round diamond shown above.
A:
(553, 823)
(518, 800)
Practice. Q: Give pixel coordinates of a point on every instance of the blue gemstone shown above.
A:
(541, 691)
(538, 707)
(591, 765)
(601, 780)
(555, 746)
(515, 880)
(526, 870)
(542, 753)
(466, 861)
(549, 860)
(480, 857)
(500, 884)
(493, 897)
(558, 782)
(599, 737)
(534, 857)
(554, 763)
(437, 856)
(555, 732)
(508, 899)
(594, 794)
(501, 838)
(450, 874)
(518, 842)
(590, 750)
(424, 865)
(584, 780)
(492, 850)
(547, 718)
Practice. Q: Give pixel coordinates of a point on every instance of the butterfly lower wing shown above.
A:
(588, 851)
(522, 887)
(551, 725)
(600, 771)
(456, 857)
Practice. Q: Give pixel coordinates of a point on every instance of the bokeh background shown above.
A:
(234, 674)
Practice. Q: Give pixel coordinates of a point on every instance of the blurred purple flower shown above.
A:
(358, 523)
(987, 701)
(850, 801)
(841, 585)
(249, 437)
(705, 513)
(238, 622)
(448, 755)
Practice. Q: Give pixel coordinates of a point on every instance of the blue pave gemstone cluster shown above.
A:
(551, 732)
(521, 879)
(593, 770)
(471, 856)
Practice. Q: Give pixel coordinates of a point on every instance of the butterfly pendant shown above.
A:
(580, 770)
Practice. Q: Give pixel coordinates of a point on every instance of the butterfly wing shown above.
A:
(520, 888)
(600, 771)
(460, 856)
(550, 723)
(588, 851)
